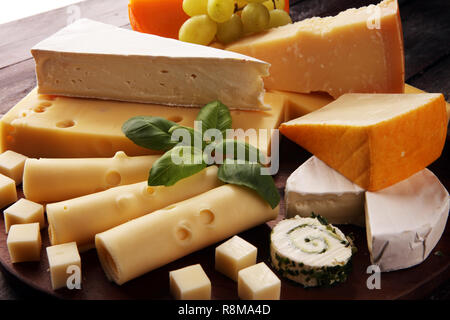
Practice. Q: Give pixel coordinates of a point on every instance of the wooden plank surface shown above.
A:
(426, 29)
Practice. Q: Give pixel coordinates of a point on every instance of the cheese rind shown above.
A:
(316, 188)
(80, 219)
(190, 283)
(258, 282)
(341, 54)
(95, 60)
(8, 192)
(374, 140)
(151, 241)
(24, 211)
(52, 180)
(42, 126)
(405, 221)
(11, 165)
(24, 242)
(234, 255)
(60, 258)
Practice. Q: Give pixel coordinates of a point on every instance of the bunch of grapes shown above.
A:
(229, 20)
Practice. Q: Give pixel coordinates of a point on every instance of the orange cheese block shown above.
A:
(62, 127)
(375, 140)
(359, 50)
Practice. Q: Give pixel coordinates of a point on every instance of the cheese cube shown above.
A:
(24, 242)
(234, 255)
(60, 258)
(374, 140)
(11, 165)
(8, 193)
(190, 283)
(24, 211)
(258, 282)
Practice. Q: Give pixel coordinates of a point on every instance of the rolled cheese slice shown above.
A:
(405, 221)
(310, 252)
(149, 242)
(80, 219)
(52, 180)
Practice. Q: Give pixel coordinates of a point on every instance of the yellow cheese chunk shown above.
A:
(61, 127)
(359, 50)
(24, 242)
(8, 192)
(80, 219)
(52, 180)
(149, 242)
(375, 140)
(258, 282)
(11, 165)
(234, 255)
(62, 259)
(190, 283)
(24, 211)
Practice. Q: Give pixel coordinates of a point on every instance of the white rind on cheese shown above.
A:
(51, 180)
(316, 188)
(96, 60)
(405, 221)
(151, 241)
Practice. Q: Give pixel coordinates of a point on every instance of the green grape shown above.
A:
(230, 30)
(279, 18)
(269, 4)
(195, 7)
(220, 10)
(255, 17)
(199, 29)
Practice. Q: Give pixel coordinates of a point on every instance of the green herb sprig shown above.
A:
(156, 133)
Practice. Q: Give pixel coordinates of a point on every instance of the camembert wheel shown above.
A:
(310, 251)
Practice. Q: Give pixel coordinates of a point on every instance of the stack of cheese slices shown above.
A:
(93, 77)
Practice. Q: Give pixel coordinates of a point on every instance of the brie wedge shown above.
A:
(95, 60)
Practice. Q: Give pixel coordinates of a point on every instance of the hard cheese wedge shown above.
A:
(375, 140)
(359, 50)
(96, 60)
(405, 221)
(61, 127)
(316, 188)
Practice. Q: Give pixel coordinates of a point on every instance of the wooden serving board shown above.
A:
(415, 282)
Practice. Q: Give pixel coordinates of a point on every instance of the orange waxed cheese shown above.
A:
(350, 52)
(160, 17)
(375, 140)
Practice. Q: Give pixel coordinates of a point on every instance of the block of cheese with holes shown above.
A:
(374, 140)
(61, 127)
(80, 219)
(351, 52)
(149, 242)
(52, 180)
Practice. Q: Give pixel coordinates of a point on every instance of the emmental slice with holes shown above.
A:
(359, 50)
(52, 180)
(42, 126)
(149, 242)
(374, 140)
(80, 219)
(95, 60)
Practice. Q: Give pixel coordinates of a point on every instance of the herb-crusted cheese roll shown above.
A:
(310, 251)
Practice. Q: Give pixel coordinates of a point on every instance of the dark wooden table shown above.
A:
(426, 28)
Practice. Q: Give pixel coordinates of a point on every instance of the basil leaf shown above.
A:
(150, 132)
(241, 151)
(166, 172)
(215, 115)
(249, 175)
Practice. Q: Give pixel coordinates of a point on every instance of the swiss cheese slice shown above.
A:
(359, 50)
(405, 221)
(375, 140)
(62, 127)
(96, 60)
(316, 188)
